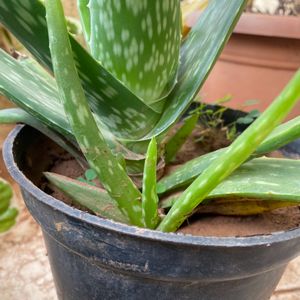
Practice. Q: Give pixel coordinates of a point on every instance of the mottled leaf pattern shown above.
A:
(198, 55)
(85, 195)
(261, 178)
(26, 84)
(138, 42)
(118, 109)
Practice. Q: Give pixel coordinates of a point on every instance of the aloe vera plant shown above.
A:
(113, 105)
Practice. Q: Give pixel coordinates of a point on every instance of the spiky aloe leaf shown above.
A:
(88, 135)
(123, 113)
(198, 54)
(149, 195)
(34, 84)
(282, 135)
(261, 178)
(236, 154)
(175, 142)
(26, 87)
(7, 215)
(138, 42)
(95, 199)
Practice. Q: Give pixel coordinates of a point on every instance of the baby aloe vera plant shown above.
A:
(114, 107)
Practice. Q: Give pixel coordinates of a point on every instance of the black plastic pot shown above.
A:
(92, 258)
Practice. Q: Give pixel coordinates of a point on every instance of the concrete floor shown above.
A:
(25, 272)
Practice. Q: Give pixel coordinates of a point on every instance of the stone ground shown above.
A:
(25, 273)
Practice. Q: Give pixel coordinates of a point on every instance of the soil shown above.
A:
(200, 225)
(222, 226)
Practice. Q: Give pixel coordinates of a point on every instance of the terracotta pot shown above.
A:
(258, 61)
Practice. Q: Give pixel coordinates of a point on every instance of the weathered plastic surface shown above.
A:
(92, 258)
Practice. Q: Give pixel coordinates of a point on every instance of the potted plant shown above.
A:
(263, 51)
(113, 117)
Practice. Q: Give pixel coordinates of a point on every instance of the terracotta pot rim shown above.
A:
(267, 25)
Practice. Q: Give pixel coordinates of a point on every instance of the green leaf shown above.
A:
(7, 215)
(236, 154)
(93, 198)
(5, 195)
(174, 143)
(149, 195)
(139, 43)
(255, 113)
(89, 137)
(118, 109)
(34, 84)
(261, 178)
(6, 225)
(245, 120)
(85, 18)
(199, 53)
(282, 135)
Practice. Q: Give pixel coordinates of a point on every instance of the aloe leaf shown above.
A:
(123, 113)
(17, 115)
(26, 87)
(7, 215)
(139, 43)
(85, 18)
(176, 141)
(261, 178)
(280, 136)
(34, 84)
(5, 226)
(236, 207)
(149, 195)
(236, 154)
(199, 53)
(93, 198)
(5, 195)
(88, 135)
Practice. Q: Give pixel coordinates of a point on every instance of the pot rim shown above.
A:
(180, 239)
(268, 25)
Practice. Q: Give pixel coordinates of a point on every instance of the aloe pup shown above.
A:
(111, 106)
